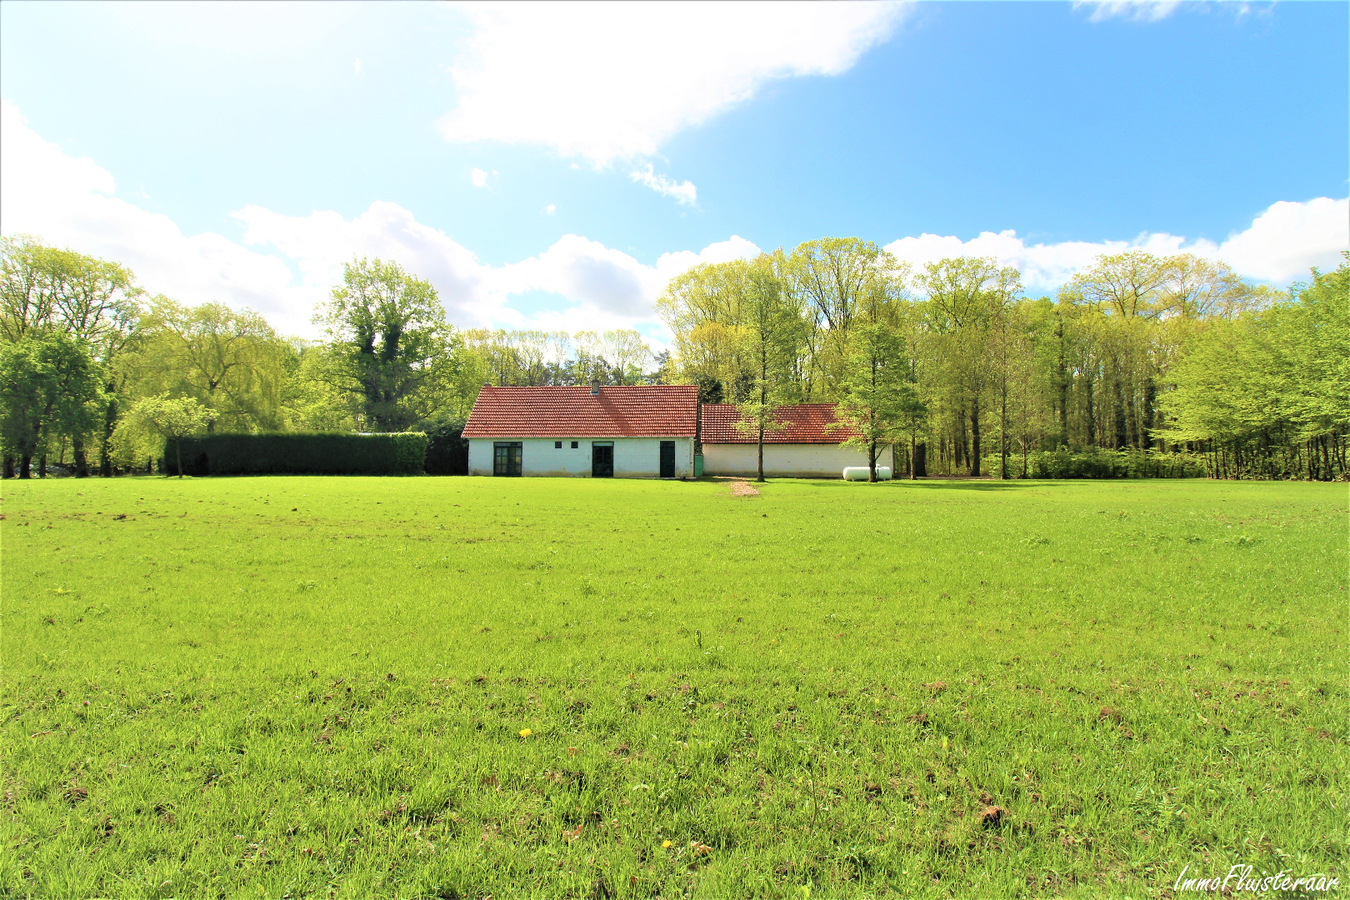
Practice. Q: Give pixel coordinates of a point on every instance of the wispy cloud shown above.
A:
(1132, 10)
(684, 192)
(478, 177)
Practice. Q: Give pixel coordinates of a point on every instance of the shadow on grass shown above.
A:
(937, 484)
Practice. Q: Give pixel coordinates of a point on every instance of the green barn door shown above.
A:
(602, 460)
(506, 459)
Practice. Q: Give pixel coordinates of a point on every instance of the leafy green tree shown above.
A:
(879, 399)
(152, 422)
(230, 361)
(703, 307)
(771, 331)
(965, 298)
(45, 289)
(389, 332)
(313, 395)
(834, 277)
(49, 388)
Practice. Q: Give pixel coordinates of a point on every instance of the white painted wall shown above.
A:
(788, 460)
(633, 457)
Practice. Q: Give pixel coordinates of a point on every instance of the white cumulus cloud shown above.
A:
(478, 177)
(1280, 246)
(69, 202)
(611, 82)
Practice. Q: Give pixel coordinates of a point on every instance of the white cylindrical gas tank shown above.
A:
(859, 473)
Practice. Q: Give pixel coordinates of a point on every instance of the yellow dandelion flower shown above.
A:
(665, 845)
(525, 732)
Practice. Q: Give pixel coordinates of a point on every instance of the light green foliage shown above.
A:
(309, 686)
(704, 308)
(313, 398)
(772, 331)
(44, 289)
(389, 333)
(836, 279)
(967, 301)
(1259, 385)
(880, 399)
(230, 362)
(152, 421)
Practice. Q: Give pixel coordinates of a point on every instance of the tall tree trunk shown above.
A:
(1062, 383)
(42, 466)
(1091, 415)
(759, 465)
(9, 466)
(1118, 413)
(975, 439)
(913, 469)
(961, 454)
(920, 460)
(81, 457)
(1131, 420)
(25, 466)
(872, 462)
(1003, 433)
(1150, 411)
(105, 446)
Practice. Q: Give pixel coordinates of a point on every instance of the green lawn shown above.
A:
(452, 687)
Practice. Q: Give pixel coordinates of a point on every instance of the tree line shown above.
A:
(96, 375)
(1158, 359)
(1155, 359)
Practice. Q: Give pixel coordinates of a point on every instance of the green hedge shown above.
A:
(1064, 463)
(299, 454)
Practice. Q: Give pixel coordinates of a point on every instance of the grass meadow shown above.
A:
(456, 688)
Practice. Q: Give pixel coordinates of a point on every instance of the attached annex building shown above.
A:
(641, 431)
(807, 447)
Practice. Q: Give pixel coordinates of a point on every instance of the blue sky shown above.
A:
(553, 166)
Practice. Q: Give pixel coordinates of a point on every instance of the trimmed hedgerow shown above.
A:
(299, 454)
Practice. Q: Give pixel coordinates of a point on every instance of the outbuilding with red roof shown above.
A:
(807, 446)
(639, 431)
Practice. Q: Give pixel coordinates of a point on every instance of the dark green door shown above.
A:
(602, 460)
(667, 459)
(506, 458)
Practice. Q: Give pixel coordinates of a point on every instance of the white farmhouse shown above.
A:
(805, 448)
(643, 431)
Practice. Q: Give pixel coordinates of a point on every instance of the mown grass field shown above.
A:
(287, 687)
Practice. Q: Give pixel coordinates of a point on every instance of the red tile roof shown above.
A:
(652, 410)
(805, 425)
